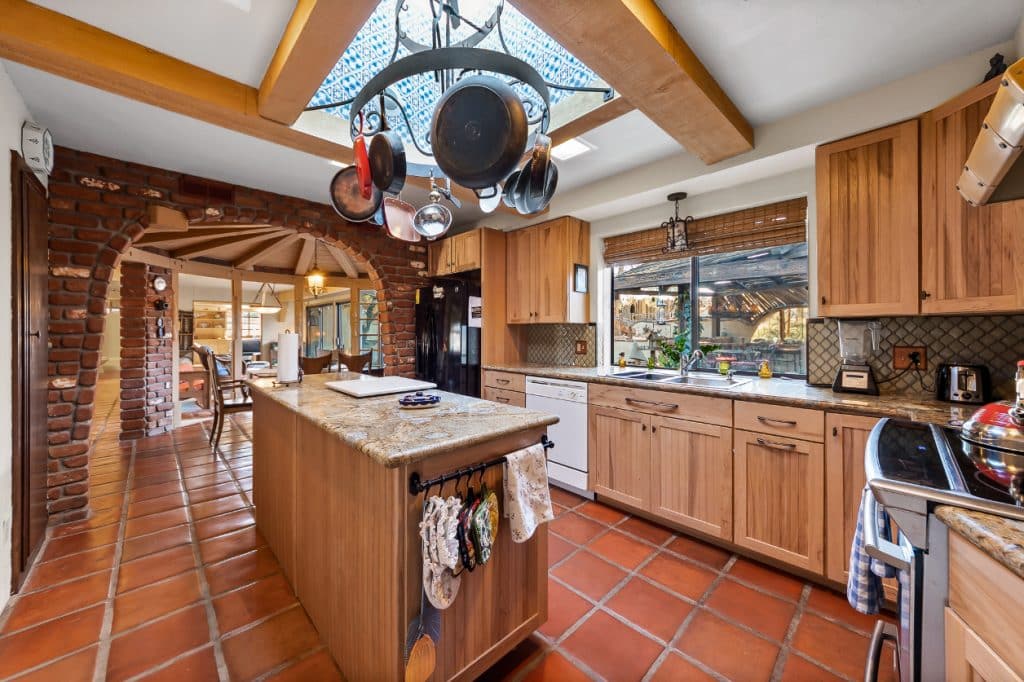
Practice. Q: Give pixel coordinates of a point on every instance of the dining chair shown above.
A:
(223, 390)
(356, 363)
(315, 365)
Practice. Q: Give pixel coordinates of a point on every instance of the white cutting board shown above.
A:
(368, 386)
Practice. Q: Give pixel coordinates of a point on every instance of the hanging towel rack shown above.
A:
(417, 486)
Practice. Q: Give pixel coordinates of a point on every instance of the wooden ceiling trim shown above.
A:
(314, 40)
(633, 46)
(343, 259)
(167, 237)
(607, 112)
(206, 246)
(265, 249)
(305, 258)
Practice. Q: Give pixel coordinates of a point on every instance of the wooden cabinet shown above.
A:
(499, 395)
(968, 253)
(458, 253)
(691, 475)
(779, 498)
(867, 223)
(968, 657)
(540, 273)
(619, 451)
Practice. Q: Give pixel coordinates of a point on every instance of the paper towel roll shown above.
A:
(287, 357)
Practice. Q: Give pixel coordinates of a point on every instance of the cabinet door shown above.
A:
(868, 223)
(691, 482)
(466, 251)
(968, 657)
(439, 254)
(780, 498)
(968, 253)
(520, 290)
(620, 455)
(551, 279)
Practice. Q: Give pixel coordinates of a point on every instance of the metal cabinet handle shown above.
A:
(782, 422)
(764, 442)
(668, 407)
(877, 547)
(501, 400)
(502, 381)
(35, 334)
(643, 427)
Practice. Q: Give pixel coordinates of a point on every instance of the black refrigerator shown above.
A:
(448, 335)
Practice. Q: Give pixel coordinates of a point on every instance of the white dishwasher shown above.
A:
(567, 461)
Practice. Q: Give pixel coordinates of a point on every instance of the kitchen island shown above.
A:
(331, 490)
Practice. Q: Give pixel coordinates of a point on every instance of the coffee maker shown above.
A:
(858, 339)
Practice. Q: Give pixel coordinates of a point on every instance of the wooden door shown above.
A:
(779, 498)
(691, 482)
(29, 265)
(521, 288)
(551, 278)
(968, 253)
(969, 657)
(620, 455)
(846, 438)
(867, 188)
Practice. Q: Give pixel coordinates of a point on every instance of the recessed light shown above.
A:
(570, 148)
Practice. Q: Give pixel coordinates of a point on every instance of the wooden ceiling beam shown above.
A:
(306, 254)
(607, 112)
(343, 259)
(208, 245)
(165, 237)
(55, 43)
(633, 46)
(312, 43)
(264, 249)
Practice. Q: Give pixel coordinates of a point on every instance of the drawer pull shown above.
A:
(764, 442)
(667, 407)
(501, 400)
(782, 422)
(508, 381)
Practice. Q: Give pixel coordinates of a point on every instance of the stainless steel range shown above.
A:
(911, 469)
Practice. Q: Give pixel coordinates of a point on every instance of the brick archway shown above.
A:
(94, 202)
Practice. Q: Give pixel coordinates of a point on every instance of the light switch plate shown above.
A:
(581, 347)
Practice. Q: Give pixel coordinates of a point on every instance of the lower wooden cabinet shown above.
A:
(779, 498)
(619, 448)
(504, 396)
(846, 438)
(691, 475)
(968, 657)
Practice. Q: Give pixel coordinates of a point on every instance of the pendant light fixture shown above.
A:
(316, 278)
(259, 302)
(676, 229)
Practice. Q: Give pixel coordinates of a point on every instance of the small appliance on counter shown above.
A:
(857, 339)
(963, 383)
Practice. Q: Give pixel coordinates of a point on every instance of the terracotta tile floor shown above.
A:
(169, 579)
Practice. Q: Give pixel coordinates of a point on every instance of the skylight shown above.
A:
(374, 44)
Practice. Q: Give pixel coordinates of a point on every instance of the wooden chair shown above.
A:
(223, 389)
(356, 363)
(315, 365)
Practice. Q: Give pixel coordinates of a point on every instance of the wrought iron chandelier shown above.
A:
(676, 229)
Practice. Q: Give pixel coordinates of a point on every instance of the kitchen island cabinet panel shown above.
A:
(274, 479)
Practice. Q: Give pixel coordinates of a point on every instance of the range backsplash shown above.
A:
(555, 344)
(993, 340)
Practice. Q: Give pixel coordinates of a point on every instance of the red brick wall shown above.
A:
(96, 204)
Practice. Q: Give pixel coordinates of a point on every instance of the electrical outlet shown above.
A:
(902, 357)
(581, 347)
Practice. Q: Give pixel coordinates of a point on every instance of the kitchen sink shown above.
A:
(646, 376)
(710, 381)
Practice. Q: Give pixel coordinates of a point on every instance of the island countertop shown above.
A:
(391, 435)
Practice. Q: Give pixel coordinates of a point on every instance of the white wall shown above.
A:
(12, 114)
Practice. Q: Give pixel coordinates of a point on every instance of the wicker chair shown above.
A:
(223, 389)
(315, 365)
(356, 363)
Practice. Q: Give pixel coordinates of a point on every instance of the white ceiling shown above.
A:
(775, 58)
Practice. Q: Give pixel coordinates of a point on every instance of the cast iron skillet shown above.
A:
(347, 197)
(387, 157)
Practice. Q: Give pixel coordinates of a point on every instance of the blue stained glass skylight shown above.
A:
(374, 44)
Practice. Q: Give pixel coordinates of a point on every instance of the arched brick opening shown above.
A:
(97, 208)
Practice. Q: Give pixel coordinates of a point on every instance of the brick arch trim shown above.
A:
(93, 201)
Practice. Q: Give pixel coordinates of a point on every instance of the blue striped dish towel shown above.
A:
(864, 586)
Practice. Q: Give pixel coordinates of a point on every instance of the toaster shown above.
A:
(963, 383)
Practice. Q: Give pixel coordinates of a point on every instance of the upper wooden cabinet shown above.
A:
(968, 253)
(541, 265)
(458, 253)
(867, 223)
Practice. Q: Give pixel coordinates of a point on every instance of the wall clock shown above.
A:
(37, 147)
(159, 284)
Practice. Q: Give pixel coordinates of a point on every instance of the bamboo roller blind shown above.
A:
(783, 222)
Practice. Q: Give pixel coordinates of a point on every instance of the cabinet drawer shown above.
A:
(794, 422)
(500, 395)
(509, 381)
(666, 403)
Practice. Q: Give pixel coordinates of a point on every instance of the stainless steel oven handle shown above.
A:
(883, 632)
(877, 547)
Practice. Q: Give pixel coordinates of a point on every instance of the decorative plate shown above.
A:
(419, 400)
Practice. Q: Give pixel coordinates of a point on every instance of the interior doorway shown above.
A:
(29, 357)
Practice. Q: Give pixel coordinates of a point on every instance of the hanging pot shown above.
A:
(433, 219)
(478, 132)
(540, 161)
(398, 219)
(362, 162)
(387, 157)
(347, 196)
(507, 197)
(522, 187)
(489, 198)
(535, 203)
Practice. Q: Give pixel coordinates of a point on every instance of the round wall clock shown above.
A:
(159, 284)
(37, 147)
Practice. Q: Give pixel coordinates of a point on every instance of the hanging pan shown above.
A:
(347, 196)
(387, 157)
(362, 162)
(399, 218)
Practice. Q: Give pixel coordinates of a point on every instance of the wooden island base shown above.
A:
(345, 530)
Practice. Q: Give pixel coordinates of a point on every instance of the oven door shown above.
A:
(907, 560)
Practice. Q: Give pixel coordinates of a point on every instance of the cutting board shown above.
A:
(368, 386)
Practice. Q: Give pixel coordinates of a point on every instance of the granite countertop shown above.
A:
(792, 392)
(1000, 538)
(393, 436)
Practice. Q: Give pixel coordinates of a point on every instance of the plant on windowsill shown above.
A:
(672, 350)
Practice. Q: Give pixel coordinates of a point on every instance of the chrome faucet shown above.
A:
(685, 367)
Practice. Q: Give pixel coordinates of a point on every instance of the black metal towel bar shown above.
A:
(417, 486)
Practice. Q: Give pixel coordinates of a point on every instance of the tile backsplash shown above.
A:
(555, 344)
(993, 340)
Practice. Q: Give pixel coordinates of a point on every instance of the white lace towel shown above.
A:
(527, 497)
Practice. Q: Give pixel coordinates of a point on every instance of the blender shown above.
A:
(857, 340)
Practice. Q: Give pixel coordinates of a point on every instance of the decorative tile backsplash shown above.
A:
(555, 344)
(993, 340)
